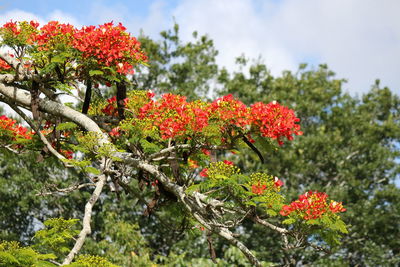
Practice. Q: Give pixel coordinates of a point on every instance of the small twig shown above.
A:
(65, 190)
(9, 148)
(168, 158)
(213, 255)
(167, 150)
(54, 262)
(281, 230)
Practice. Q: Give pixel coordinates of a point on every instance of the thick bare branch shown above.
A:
(23, 98)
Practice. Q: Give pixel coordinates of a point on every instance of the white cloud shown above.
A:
(18, 15)
(62, 17)
(359, 39)
(237, 28)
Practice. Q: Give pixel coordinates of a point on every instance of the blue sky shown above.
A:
(358, 39)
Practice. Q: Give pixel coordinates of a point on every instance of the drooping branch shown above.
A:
(254, 148)
(37, 131)
(88, 96)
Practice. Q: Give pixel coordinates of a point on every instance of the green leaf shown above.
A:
(311, 222)
(95, 72)
(289, 221)
(92, 170)
(58, 59)
(340, 226)
(66, 126)
(250, 203)
(149, 147)
(271, 212)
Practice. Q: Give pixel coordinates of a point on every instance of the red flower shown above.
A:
(4, 65)
(150, 94)
(115, 132)
(206, 152)
(227, 162)
(258, 188)
(278, 183)
(336, 207)
(34, 24)
(204, 173)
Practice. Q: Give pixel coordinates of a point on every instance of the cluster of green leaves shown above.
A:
(56, 236)
(51, 244)
(12, 254)
(226, 180)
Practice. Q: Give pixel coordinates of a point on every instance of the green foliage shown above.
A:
(12, 254)
(89, 261)
(349, 149)
(57, 236)
(66, 126)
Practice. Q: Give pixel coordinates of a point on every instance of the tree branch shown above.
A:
(66, 190)
(37, 131)
(86, 220)
(23, 98)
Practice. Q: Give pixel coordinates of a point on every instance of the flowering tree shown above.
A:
(166, 143)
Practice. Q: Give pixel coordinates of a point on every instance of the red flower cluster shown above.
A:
(259, 187)
(4, 65)
(231, 111)
(312, 205)
(275, 121)
(116, 132)
(53, 33)
(204, 172)
(12, 27)
(17, 131)
(174, 116)
(110, 45)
